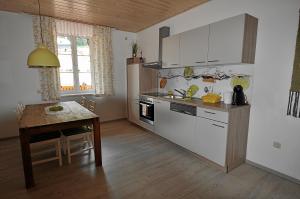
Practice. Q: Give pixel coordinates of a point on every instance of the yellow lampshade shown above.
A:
(42, 57)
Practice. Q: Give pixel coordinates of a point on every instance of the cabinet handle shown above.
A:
(216, 60)
(218, 126)
(209, 112)
(200, 62)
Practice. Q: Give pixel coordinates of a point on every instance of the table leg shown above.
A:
(97, 142)
(26, 157)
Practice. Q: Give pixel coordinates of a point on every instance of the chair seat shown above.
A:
(75, 131)
(45, 136)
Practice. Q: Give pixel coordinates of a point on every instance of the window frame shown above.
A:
(76, 71)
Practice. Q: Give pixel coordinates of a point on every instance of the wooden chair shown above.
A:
(83, 101)
(42, 142)
(82, 134)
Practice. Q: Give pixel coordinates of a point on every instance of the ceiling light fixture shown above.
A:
(42, 57)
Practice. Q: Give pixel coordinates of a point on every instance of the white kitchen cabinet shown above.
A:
(174, 126)
(171, 52)
(232, 41)
(210, 140)
(133, 111)
(194, 47)
(182, 129)
(133, 76)
(133, 93)
(139, 80)
(217, 135)
(161, 117)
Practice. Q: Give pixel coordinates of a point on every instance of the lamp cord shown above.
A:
(40, 21)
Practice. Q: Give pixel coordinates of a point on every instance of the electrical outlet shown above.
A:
(277, 145)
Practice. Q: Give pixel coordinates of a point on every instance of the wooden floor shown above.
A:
(137, 164)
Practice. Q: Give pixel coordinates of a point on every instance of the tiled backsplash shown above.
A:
(220, 86)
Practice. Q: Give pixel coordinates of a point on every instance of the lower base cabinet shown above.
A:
(220, 137)
(182, 129)
(174, 126)
(133, 111)
(210, 140)
(161, 118)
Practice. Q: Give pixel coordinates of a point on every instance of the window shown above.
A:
(75, 71)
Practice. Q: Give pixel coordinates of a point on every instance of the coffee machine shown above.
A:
(238, 97)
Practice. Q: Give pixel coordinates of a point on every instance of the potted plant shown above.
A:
(134, 49)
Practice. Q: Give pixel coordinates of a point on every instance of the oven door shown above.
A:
(147, 112)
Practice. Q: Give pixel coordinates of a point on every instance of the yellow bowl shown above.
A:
(211, 98)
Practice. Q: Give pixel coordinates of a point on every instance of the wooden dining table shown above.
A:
(37, 120)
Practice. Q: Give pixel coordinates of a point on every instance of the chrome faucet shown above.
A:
(181, 92)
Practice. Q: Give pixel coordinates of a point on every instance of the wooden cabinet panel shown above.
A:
(148, 80)
(194, 47)
(170, 52)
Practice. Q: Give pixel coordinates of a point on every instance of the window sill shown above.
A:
(77, 94)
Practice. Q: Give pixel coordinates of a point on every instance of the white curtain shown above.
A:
(100, 49)
(49, 77)
(74, 29)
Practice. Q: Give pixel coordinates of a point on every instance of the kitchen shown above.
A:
(159, 139)
(212, 129)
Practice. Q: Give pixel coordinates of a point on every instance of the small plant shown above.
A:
(134, 49)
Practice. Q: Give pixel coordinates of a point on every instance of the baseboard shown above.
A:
(114, 120)
(292, 179)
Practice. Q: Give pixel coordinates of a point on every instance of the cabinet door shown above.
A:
(133, 111)
(226, 41)
(181, 129)
(133, 82)
(133, 93)
(161, 117)
(194, 47)
(210, 140)
(170, 52)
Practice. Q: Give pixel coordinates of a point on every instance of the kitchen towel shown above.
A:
(144, 109)
(294, 97)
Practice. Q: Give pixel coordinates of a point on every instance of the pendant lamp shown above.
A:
(42, 57)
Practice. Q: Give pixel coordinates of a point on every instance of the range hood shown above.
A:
(163, 32)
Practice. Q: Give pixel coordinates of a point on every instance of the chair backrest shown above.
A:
(91, 105)
(83, 101)
(19, 110)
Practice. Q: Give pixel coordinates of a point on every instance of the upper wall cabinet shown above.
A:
(232, 41)
(170, 52)
(194, 47)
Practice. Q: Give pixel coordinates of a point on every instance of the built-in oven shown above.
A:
(147, 109)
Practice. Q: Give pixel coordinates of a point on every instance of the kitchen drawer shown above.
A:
(213, 114)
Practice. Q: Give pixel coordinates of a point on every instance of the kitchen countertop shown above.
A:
(196, 102)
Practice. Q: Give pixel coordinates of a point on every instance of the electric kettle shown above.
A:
(238, 97)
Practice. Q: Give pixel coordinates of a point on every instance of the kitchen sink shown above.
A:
(173, 97)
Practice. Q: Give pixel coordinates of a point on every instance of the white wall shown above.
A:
(17, 82)
(277, 28)
(20, 84)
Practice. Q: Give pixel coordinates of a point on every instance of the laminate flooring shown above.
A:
(137, 164)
